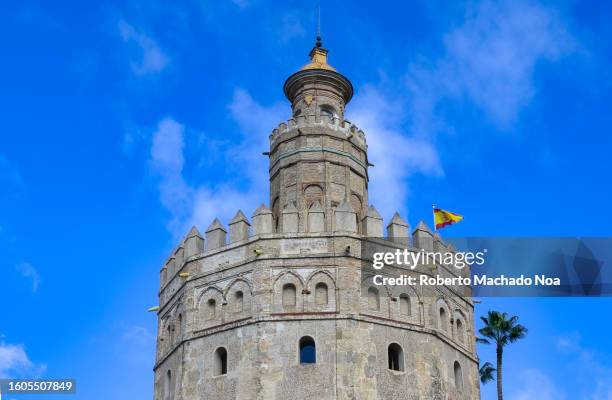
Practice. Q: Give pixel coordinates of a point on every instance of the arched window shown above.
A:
(460, 335)
(396, 357)
(312, 194)
(308, 350)
(297, 113)
(179, 329)
(275, 213)
(220, 361)
(327, 111)
(289, 295)
(167, 385)
(239, 298)
(170, 334)
(405, 309)
(356, 204)
(212, 309)
(458, 376)
(373, 299)
(321, 294)
(443, 322)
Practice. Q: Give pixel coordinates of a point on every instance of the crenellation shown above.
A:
(179, 256)
(239, 227)
(331, 125)
(398, 230)
(316, 218)
(163, 275)
(290, 219)
(422, 237)
(345, 218)
(438, 243)
(372, 223)
(194, 243)
(215, 235)
(171, 266)
(262, 220)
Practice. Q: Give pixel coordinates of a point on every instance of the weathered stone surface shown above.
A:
(194, 243)
(372, 223)
(422, 237)
(262, 220)
(215, 235)
(239, 227)
(345, 218)
(290, 219)
(398, 230)
(316, 218)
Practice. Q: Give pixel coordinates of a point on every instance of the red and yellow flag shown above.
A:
(444, 218)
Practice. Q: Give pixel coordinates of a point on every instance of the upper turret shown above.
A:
(317, 88)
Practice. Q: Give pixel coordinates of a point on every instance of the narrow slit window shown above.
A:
(212, 309)
(373, 299)
(168, 385)
(460, 331)
(239, 298)
(321, 296)
(405, 305)
(289, 295)
(443, 322)
(458, 376)
(220, 361)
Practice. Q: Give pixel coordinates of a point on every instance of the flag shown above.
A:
(444, 218)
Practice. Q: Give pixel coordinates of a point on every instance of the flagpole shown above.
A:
(433, 213)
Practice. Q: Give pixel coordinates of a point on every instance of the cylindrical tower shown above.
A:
(285, 307)
(318, 156)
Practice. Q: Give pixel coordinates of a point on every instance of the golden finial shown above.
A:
(318, 54)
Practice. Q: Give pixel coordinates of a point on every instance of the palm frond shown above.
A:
(486, 372)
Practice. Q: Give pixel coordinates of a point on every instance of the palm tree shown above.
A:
(486, 372)
(502, 330)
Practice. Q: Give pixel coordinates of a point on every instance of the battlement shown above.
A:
(242, 233)
(333, 123)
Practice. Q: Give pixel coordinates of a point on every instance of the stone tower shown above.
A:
(286, 307)
(318, 156)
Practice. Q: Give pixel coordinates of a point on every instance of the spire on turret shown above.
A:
(318, 80)
(318, 54)
(318, 57)
(319, 42)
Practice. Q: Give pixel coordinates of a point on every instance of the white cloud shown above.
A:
(146, 55)
(536, 385)
(136, 345)
(256, 123)
(28, 271)
(396, 156)
(167, 160)
(14, 362)
(588, 360)
(137, 335)
(192, 204)
(490, 60)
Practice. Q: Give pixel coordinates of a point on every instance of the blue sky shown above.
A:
(124, 123)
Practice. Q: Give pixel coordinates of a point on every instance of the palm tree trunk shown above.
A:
(500, 393)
